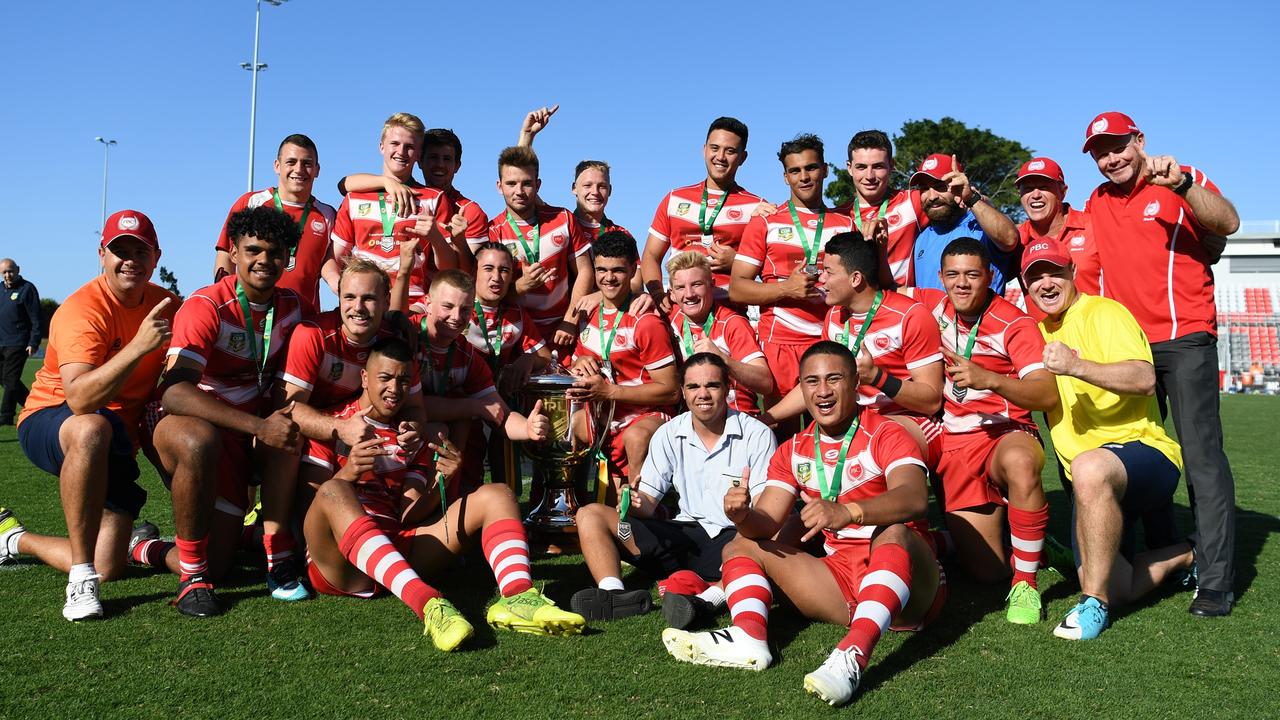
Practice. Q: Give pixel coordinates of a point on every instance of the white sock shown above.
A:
(713, 595)
(611, 583)
(80, 572)
(11, 541)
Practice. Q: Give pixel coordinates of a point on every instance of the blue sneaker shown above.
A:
(284, 583)
(1086, 621)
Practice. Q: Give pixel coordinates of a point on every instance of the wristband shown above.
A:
(1184, 185)
(891, 385)
(875, 379)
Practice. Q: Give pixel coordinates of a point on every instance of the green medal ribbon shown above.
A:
(703, 223)
(444, 506)
(388, 222)
(531, 254)
(866, 324)
(441, 378)
(606, 342)
(857, 210)
(973, 333)
(831, 492)
(494, 350)
(302, 223)
(624, 503)
(810, 253)
(259, 361)
(706, 332)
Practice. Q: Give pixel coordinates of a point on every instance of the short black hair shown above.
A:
(392, 348)
(265, 223)
(827, 347)
(870, 140)
(301, 141)
(705, 358)
(967, 246)
(800, 143)
(443, 136)
(733, 125)
(616, 244)
(496, 247)
(856, 253)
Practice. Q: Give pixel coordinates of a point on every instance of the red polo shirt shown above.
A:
(1075, 240)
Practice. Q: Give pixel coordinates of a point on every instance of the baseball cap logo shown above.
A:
(1039, 247)
(1100, 125)
(1035, 165)
(929, 164)
(128, 222)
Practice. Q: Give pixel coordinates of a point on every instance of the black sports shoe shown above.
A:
(682, 611)
(196, 598)
(1211, 603)
(143, 532)
(600, 604)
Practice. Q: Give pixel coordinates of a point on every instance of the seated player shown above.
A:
(862, 481)
(228, 340)
(703, 326)
(624, 358)
(700, 454)
(377, 525)
(80, 422)
(991, 450)
(505, 333)
(1109, 439)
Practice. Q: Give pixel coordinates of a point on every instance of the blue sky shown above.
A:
(637, 84)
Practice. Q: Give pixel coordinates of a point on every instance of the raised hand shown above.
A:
(539, 423)
(721, 257)
(1060, 359)
(409, 438)
(866, 365)
(403, 199)
(353, 430)
(278, 430)
(737, 501)
(536, 121)
(448, 457)
(153, 333)
(800, 285)
(957, 183)
(819, 515)
(458, 226)
(534, 275)
(966, 373)
(1162, 170)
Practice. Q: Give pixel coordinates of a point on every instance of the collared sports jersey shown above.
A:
(731, 333)
(640, 345)
(1103, 331)
(1008, 343)
(676, 222)
(879, 447)
(455, 371)
(1149, 241)
(359, 232)
(519, 334)
(209, 329)
(773, 246)
(324, 362)
(302, 274)
(561, 241)
(906, 219)
(452, 201)
(930, 242)
(379, 490)
(903, 336)
(1075, 240)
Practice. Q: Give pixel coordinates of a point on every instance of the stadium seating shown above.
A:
(1248, 324)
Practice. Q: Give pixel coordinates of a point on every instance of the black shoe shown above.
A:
(1211, 603)
(143, 532)
(600, 604)
(196, 598)
(681, 611)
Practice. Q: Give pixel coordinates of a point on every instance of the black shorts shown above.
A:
(667, 546)
(38, 436)
(1151, 480)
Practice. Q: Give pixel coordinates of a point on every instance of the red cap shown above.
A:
(936, 166)
(1041, 167)
(1109, 123)
(1043, 251)
(131, 223)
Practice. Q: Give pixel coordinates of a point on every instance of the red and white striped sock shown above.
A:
(1026, 535)
(193, 557)
(151, 553)
(277, 546)
(506, 547)
(749, 596)
(884, 592)
(369, 549)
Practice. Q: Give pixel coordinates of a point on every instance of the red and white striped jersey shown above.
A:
(209, 329)
(302, 274)
(477, 232)
(903, 336)
(731, 333)
(676, 222)
(640, 345)
(878, 448)
(359, 232)
(906, 219)
(518, 333)
(379, 490)
(561, 241)
(772, 244)
(1008, 343)
(456, 371)
(324, 362)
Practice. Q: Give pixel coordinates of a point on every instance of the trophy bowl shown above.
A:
(577, 431)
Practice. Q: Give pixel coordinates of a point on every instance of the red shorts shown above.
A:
(932, 429)
(400, 537)
(616, 448)
(966, 459)
(784, 363)
(235, 469)
(849, 564)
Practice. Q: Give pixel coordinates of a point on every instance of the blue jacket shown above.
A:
(19, 315)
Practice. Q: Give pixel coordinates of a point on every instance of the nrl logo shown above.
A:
(785, 233)
(363, 209)
(683, 209)
(335, 371)
(803, 472)
(235, 342)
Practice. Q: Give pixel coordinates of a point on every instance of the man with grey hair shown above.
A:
(19, 335)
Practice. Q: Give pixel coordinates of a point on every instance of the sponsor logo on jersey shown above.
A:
(804, 471)
(811, 224)
(13, 296)
(683, 209)
(235, 342)
(785, 234)
(335, 371)
(364, 208)
(831, 455)
(362, 356)
(1151, 209)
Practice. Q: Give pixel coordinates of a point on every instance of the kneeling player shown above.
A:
(375, 523)
(867, 495)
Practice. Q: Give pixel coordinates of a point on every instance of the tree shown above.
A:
(990, 161)
(48, 307)
(169, 281)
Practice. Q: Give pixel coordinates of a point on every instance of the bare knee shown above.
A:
(592, 517)
(741, 547)
(1091, 479)
(185, 440)
(894, 534)
(86, 435)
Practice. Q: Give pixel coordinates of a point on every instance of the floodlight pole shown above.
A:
(106, 159)
(254, 68)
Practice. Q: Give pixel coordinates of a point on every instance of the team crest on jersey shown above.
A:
(13, 296)
(1077, 241)
(335, 371)
(803, 471)
(1151, 209)
(364, 209)
(236, 342)
(623, 339)
(735, 214)
(784, 234)
(557, 240)
(854, 470)
(882, 342)
(317, 227)
(894, 219)
(683, 209)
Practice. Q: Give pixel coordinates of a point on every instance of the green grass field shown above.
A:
(340, 658)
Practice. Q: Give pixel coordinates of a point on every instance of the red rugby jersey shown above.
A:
(359, 232)
(519, 335)
(1008, 343)
(1149, 243)
(676, 222)
(477, 232)
(561, 241)
(209, 329)
(595, 230)
(455, 371)
(323, 361)
(731, 333)
(879, 447)
(640, 345)
(772, 244)
(906, 219)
